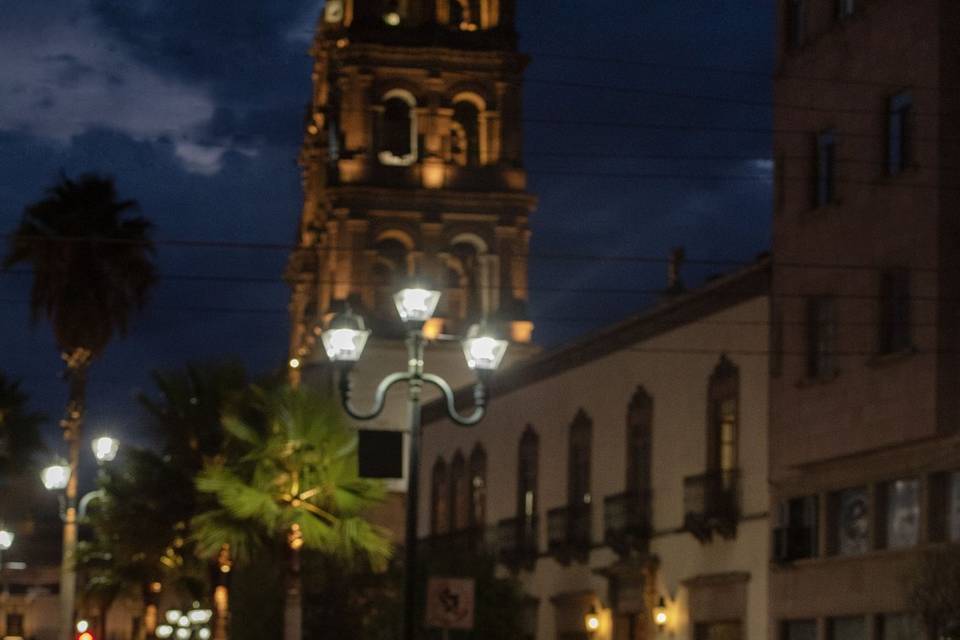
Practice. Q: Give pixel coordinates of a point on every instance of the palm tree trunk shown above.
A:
(78, 361)
(221, 594)
(293, 604)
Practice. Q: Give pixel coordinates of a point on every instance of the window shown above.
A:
(578, 473)
(478, 487)
(459, 494)
(825, 188)
(902, 513)
(723, 398)
(397, 132)
(14, 625)
(439, 499)
(465, 134)
(527, 474)
(894, 330)
(796, 535)
(852, 628)
(639, 435)
(795, 23)
(850, 522)
(898, 627)
(465, 14)
(898, 133)
(821, 337)
(389, 268)
(799, 630)
(846, 8)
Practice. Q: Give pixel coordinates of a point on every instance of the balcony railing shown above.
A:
(472, 540)
(627, 522)
(517, 545)
(568, 532)
(712, 504)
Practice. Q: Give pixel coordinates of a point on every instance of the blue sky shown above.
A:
(196, 108)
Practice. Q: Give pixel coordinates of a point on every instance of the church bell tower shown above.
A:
(412, 167)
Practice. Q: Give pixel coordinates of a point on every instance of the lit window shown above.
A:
(821, 336)
(903, 513)
(894, 311)
(898, 133)
(851, 522)
(465, 14)
(826, 168)
(723, 396)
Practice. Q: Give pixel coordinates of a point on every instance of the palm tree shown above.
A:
(291, 480)
(19, 429)
(92, 268)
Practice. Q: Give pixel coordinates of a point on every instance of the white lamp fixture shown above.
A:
(6, 539)
(56, 476)
(183, 634)
(199, 616)
(203, 633)
(392, 18)
(345, 339)
(164, 631)
(592, 620)
(105, 448)
(416, 304)
(173, 616)
(482, 350)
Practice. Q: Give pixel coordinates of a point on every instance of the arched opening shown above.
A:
(465, 14)
(397, 135)
(478, 487)
(465, 134)
(528, 466)
(723, 398)
(389, 269)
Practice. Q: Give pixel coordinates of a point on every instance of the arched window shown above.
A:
(397, 139)
(578, 472)
(465, 14)
(389, 268)
(478, 487)
(459, 494)
(639, 441)
(439, 499)
(465, 134)
(723, 414)
(529, 460)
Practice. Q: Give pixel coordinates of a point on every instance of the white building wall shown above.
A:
(674, 367)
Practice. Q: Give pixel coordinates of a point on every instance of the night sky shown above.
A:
(196, 108)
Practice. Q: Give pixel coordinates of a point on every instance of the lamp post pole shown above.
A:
(6, 541)
(344, 341)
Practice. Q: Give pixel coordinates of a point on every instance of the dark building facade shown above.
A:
(864, 388)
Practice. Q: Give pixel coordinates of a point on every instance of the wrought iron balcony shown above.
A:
(568, 532)
(627, 522)
(472, 540)
(517, 542)
(712, 504)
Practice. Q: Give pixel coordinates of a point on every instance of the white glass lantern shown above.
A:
(56, 476)
(173, 616)
(345, 339)
(203, 633)
(183, 634)
(199, 616)
(105, 448)
(483, 351)
(164, 631)
(416, 304)
(6, 539)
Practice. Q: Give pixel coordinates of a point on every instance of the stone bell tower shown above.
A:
(412, 166)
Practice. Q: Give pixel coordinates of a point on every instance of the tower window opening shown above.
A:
(398, 130)
(465, 134)
(465, 14)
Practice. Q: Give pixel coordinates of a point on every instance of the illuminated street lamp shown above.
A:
(56, 476)
(6, 541)
(344, 341)
(105, 448)
(660, 617)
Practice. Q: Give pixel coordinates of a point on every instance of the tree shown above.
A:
(19, 429)
(292, 483)
(92, 269)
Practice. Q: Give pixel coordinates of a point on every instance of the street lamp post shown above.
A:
(344, 341)
(6, 541)
(60, 477)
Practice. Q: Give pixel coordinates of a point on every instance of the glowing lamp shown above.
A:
(6, 539)
(183, 622)
(345, 339)
(164, 631)
(56, 476)
(660, 613)
(482, 350)
(417, 304)
(392, 18)
(203, 633)
(173, 616)
(105, 448)
(592, 619)
(199, 616)
(86, 635)
(82, 625)
(183, 634)
(294, 363)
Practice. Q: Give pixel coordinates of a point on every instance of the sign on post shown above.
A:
(450, 603)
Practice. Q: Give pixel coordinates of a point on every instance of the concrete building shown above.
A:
(864, 394)
(622, 471)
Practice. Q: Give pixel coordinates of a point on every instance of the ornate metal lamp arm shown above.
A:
(379, 399)
(479, 397)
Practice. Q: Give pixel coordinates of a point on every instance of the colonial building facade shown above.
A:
(624, 472)
(864, 400)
